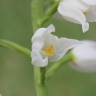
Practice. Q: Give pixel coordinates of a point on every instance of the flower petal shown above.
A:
(62, 46)
(90, 2)
(38, 60)
(42, 32)
(50, 28)
(85, 27)
(91, 14)
(74, 14)
(38, 34)
(85, 57)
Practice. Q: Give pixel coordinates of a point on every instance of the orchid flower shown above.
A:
(78, 11)
(48, 47)
(85, 56)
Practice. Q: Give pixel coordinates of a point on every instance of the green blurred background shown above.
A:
(16, 75)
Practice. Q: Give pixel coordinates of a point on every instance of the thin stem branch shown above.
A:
(37, 12)
(51, 11)
(12, 45)
(53, 69)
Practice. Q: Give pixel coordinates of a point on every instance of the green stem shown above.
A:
(10, 44)
(40, 84)
(53, 69)
(37, 13)
(51, 11)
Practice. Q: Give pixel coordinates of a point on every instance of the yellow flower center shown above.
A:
(49, 50)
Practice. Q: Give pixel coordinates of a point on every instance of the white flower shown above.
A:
(85, 56)
(48, 47)
(78, 11)
(89, 2)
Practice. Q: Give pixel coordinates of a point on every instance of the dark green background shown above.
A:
(16, 76)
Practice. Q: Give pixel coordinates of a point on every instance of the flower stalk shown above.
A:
(54, 68)
(39, 79)
(37, 13)
(50, 12)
